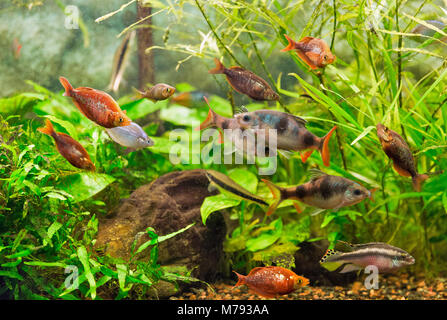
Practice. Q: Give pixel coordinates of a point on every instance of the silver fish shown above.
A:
(131, 136)
(358, 256)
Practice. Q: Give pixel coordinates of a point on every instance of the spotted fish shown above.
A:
(291, 132)
(322, 191)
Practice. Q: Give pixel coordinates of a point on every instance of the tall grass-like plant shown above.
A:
(383, 74)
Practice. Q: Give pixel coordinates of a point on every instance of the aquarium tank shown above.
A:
(223, 150)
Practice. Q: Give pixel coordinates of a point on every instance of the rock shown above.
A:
(307, 264)
(170, 203)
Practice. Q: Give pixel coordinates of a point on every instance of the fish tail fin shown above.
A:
(210, 119)
(48, 129)
(291, 45)
(418, 180)
(324, 147)
(67, 86)
(219, 67)
(240, 279)
(138, 94)
(277, 196)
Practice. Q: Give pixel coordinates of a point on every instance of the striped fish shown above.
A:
(226, 184)
(120, 61)
(291, 132)
(353, 257)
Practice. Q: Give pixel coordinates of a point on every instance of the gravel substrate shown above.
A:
(392, 287)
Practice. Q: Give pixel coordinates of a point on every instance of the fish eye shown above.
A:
(325, 57)
(121, 119)
(357, 192)
(246, 118)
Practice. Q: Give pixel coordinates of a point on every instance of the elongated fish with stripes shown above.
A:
(322, 191)
(291, 132)
(225, 183)
(352, 257)
(120, 61)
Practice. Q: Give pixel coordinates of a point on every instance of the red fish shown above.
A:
(190, 99)
(399, 152)
(313, 51)
(271, 281)
(16, 47)
(96, 105)
(246, 82)
(69, 148)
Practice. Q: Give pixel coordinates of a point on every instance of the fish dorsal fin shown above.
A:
(299, 120)
(306, 39)
(315, 174)
(344, 246)
(329, 253)
(241, 109)
(237, 68)
(254, 270)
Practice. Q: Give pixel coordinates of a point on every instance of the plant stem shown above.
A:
(258, 55)
(216, 35)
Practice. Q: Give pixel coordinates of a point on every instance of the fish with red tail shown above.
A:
(291, 132)
(69, 148)
(313, 51)
(96, 105)
(215, 120)
(399, 152)
(246, 82)
(160, 91)
(348, 257)
(322, 191)
(271, 281)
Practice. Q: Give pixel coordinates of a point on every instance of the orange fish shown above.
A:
(16, 47)
(313, 51)
(271, 281)
(96, 105)
(69, 148)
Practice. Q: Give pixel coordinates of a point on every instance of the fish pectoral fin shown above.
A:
(350, 268)
(317, 211)
(306, 59)
(287, 154)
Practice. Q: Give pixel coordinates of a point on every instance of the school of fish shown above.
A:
(322, 191)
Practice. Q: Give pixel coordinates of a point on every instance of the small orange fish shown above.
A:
(160, 91)
(16, 47)
(271, 281)
(96, 105)
(399, 152)
(69, 148)
(313, 51)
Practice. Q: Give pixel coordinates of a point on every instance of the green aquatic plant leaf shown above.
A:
(84, 259)
(245, 178)
(266, 238)
(216, 203)
(139, 108)
(84, 185)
